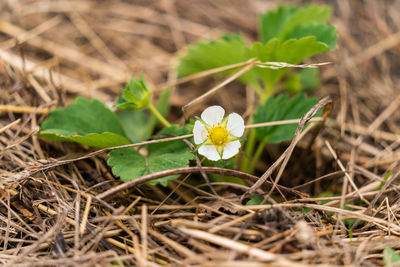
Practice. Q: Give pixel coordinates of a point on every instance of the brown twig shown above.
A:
(215, 170)
(284, 158)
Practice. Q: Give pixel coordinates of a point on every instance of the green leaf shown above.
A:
(227, 50)
(135, 96)
(288, 34)
(135, 123)
(163, 105)
(293, 83)
(169, 155)
(86, 122)
(129, 164)
(221, 52)
(323, 33)
(390, 256)
(272, 22)
(281, 108)
(282, 22)
(291, 51)
(303, 80)
(254, 200)
(309, 79)
(385, 179)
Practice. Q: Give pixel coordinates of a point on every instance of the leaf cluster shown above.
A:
(288, 34)
(91, 123)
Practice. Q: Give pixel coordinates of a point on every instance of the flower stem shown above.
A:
(158, 115)
(257, 155)
(249, 151)
(258, 89)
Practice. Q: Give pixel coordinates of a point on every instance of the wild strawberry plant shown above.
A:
(287, 35)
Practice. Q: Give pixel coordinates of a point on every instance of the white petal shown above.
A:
(231, 149)
(235, 124)
(209, 152)
(213, 115)
(199, 133)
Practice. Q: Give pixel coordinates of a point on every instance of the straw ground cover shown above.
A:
(328, 197)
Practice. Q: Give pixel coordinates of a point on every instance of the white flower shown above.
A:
(217, 136)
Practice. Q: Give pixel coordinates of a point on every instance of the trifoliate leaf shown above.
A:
(227, 50)
(281, 108)
(288, 34)
(303, 80)
(390, 257)
(129, 164)
(218, 53)
(291, 51)
(135, 96)
(86, 122)
(283, 21)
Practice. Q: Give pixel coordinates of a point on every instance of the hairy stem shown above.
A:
(249, 151)
(256, 157)
(158, 115)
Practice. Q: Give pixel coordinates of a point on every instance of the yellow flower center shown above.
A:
(218, 135)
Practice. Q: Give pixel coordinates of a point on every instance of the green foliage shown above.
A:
(129, 164)
(273, 22)
(227, 50)
(304, 80)
(390, 257)
(135, 96)
(324, 34)
(385, 179)
(255, 200)
(137, 124)
(281, 108)
(86, 122)
(90, 123)
(291, 51)
(288, 34)
(309, 79)
(222, 52)
(288, 21)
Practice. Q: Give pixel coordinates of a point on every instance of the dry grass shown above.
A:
(51, 51)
